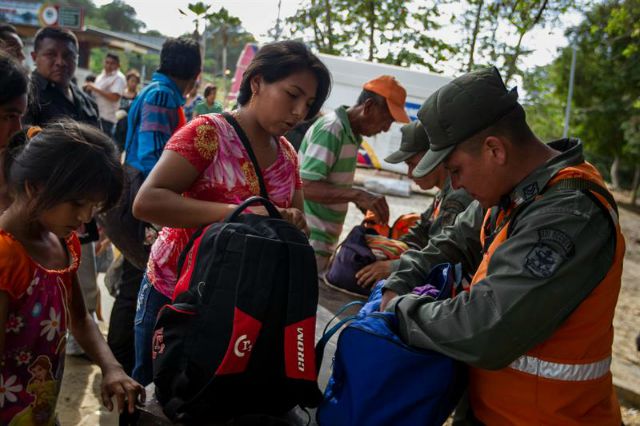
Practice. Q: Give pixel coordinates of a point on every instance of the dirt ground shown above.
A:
(627, 319)
(79, 405)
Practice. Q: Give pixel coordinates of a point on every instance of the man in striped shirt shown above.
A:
(328, 161)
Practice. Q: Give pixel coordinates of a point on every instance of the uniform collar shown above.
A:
(341, 112)
(446, 189)
(571, 154)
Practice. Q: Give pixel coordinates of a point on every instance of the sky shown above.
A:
(258, 16)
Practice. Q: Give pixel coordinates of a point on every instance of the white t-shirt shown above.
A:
(113, 83)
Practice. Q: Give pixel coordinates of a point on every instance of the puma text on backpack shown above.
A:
(238, 338)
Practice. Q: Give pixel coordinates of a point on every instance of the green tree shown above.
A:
(607, 84)
(389, 31)
(631, 130)
(495, 30)
(605, 104)
(198, 12)
(315, 22)
(473, 20)
(544, 107)
(120, 16)
(607, 80)
(222, 24)
(624, 27)
(524, 16)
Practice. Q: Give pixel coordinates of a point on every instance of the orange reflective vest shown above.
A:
(566, 379)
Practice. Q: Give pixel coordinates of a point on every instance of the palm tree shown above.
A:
(198, 11)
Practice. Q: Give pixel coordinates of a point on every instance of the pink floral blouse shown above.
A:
(227, 175)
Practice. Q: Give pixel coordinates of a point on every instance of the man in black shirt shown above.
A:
(55, 96)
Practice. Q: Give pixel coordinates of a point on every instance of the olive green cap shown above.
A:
(460, 109)
(414, 140)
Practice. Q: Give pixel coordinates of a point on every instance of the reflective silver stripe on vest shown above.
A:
(568, 372)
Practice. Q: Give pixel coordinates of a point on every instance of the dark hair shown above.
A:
(113, 56)
(8, 36)
(90, 78)
(133, 73)
(67, 161)
(366, 94)
(210, 88)
(513, 125)
(276, 61)
(15, 79)
(55, 33)
(6, 30)
(180, 58)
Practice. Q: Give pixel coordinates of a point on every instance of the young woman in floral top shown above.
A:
(57, 181)
(205, 171)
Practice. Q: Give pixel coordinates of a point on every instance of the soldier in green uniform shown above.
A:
(535, 327)
(444, 209)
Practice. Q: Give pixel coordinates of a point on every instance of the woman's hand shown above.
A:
(296, 218)
(115, 382)
(292, 215)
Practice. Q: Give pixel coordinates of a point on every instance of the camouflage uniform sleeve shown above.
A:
(560, 249)
(453, 204)
(418, 236)
(457, 243)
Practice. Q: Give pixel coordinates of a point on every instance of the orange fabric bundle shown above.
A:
(385, 248)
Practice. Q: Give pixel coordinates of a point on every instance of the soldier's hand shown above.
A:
(376, 203)
(374, 272)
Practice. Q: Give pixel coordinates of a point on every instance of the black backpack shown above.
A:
(239, 339)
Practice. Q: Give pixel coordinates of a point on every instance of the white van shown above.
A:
(348, 77)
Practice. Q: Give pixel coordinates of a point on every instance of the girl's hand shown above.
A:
(115, 382)
(296, 218)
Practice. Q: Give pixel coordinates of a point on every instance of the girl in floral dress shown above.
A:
(57, 181)
(205, 171)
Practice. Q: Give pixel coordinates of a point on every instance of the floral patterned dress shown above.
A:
(32, 363)
(213, 147)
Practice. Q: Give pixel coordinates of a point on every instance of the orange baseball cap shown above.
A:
(389, 88)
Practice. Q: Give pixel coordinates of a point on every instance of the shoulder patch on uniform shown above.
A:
(530, 191)
(450, 210)
(453, 206)
(552, 250)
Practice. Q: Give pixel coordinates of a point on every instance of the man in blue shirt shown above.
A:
(157, 111)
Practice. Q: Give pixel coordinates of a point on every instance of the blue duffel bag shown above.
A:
(379, 380)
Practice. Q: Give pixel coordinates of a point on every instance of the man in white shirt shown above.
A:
(107, 90)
